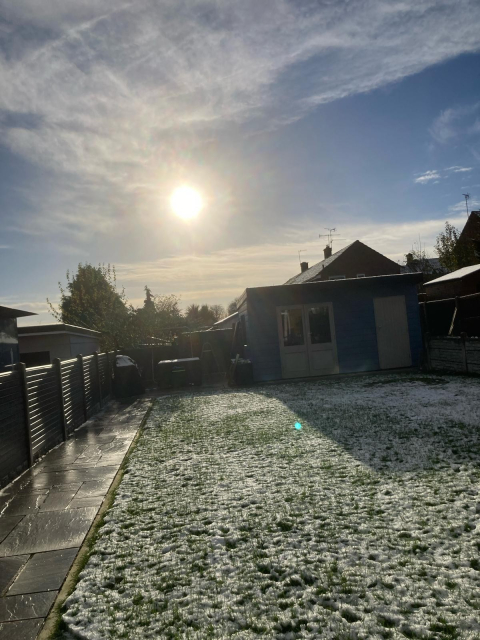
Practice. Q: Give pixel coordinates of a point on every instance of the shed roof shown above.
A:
(7, 312)
(455, 275)
(230, 317)
(413, 278)
(56, 328)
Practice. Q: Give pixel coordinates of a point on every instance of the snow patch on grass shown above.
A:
(231, 523)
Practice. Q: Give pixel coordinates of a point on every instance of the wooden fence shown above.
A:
(456, 354)
(41, 406)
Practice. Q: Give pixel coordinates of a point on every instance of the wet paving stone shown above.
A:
(88, 501)
(44, 572)
(35, 605)
(93, 488)
(57, 500)
(48, 479)
(9, 567)
(21, 629)
(7, 524)
(49, 530)
(24, 504)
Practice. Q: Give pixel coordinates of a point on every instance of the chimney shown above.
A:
(327, 252)
(409, 258)
(304, 266)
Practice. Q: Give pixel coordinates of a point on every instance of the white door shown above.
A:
(392, 332)
(322, 346)
(293, 343)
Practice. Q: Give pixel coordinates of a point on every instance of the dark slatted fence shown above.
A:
(40, 406)
(44, 409)
(72, 382)
(14, 452)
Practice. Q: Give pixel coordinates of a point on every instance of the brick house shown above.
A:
(356, 260)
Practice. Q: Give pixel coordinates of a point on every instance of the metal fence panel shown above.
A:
(13, 436)
(44, 409)
(73, 394)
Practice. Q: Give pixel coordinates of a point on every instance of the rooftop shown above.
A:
(56, 327)
(455, 275)
(7, 312)
(314, 271)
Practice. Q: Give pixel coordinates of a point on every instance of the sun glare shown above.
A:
(186, 202)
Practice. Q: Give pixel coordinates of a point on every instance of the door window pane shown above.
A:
(319, 322)
(292, 327)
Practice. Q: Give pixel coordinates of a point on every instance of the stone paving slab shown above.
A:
(47, 512)
(9, 567)
(21, 629)
(34, 605)
(43, 572)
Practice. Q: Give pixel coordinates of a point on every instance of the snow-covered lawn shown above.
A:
(232, 523)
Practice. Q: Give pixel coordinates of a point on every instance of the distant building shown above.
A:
(462, 282)
(40, 344)
(428, 266)
(357, 260)
(9, 352)
(471, 233)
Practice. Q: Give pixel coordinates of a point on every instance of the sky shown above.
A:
(287, 116)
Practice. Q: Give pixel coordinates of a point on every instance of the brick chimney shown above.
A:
(304, 266)
(409, 257)
(327, 252)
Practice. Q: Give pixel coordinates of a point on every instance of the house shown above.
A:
(430, 267)
(470, 234)
(332, 326)
(9, 352)
(462, 282)
(356, 260)
(40, 344)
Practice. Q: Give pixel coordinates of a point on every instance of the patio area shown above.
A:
(47, 512)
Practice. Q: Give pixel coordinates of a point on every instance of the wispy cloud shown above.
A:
(112, 95)
(427, 177)
(460, 207)
(457, 169)
(453, 122)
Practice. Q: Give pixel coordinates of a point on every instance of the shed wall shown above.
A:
(354, 323)
(57, 345)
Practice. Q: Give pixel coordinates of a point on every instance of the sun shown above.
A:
(186, 202)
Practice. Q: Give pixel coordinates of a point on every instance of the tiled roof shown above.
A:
(313, 272)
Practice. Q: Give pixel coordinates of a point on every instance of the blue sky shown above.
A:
(287, 116)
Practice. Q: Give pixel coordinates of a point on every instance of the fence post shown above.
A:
(58, 368)
(97, 367)
(20, 367)
(82, 378)
(463, 335)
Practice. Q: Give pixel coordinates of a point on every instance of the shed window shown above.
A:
(337, 278)
(292, 327)
(319, 322)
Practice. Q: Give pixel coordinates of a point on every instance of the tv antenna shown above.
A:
(329, 236)
(299, 256)
(466, 196)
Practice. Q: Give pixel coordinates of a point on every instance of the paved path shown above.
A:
(47, 512)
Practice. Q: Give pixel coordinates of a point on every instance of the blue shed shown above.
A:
(336, 326)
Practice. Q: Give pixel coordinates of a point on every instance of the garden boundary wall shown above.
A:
(456, 354)
(41, 406)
